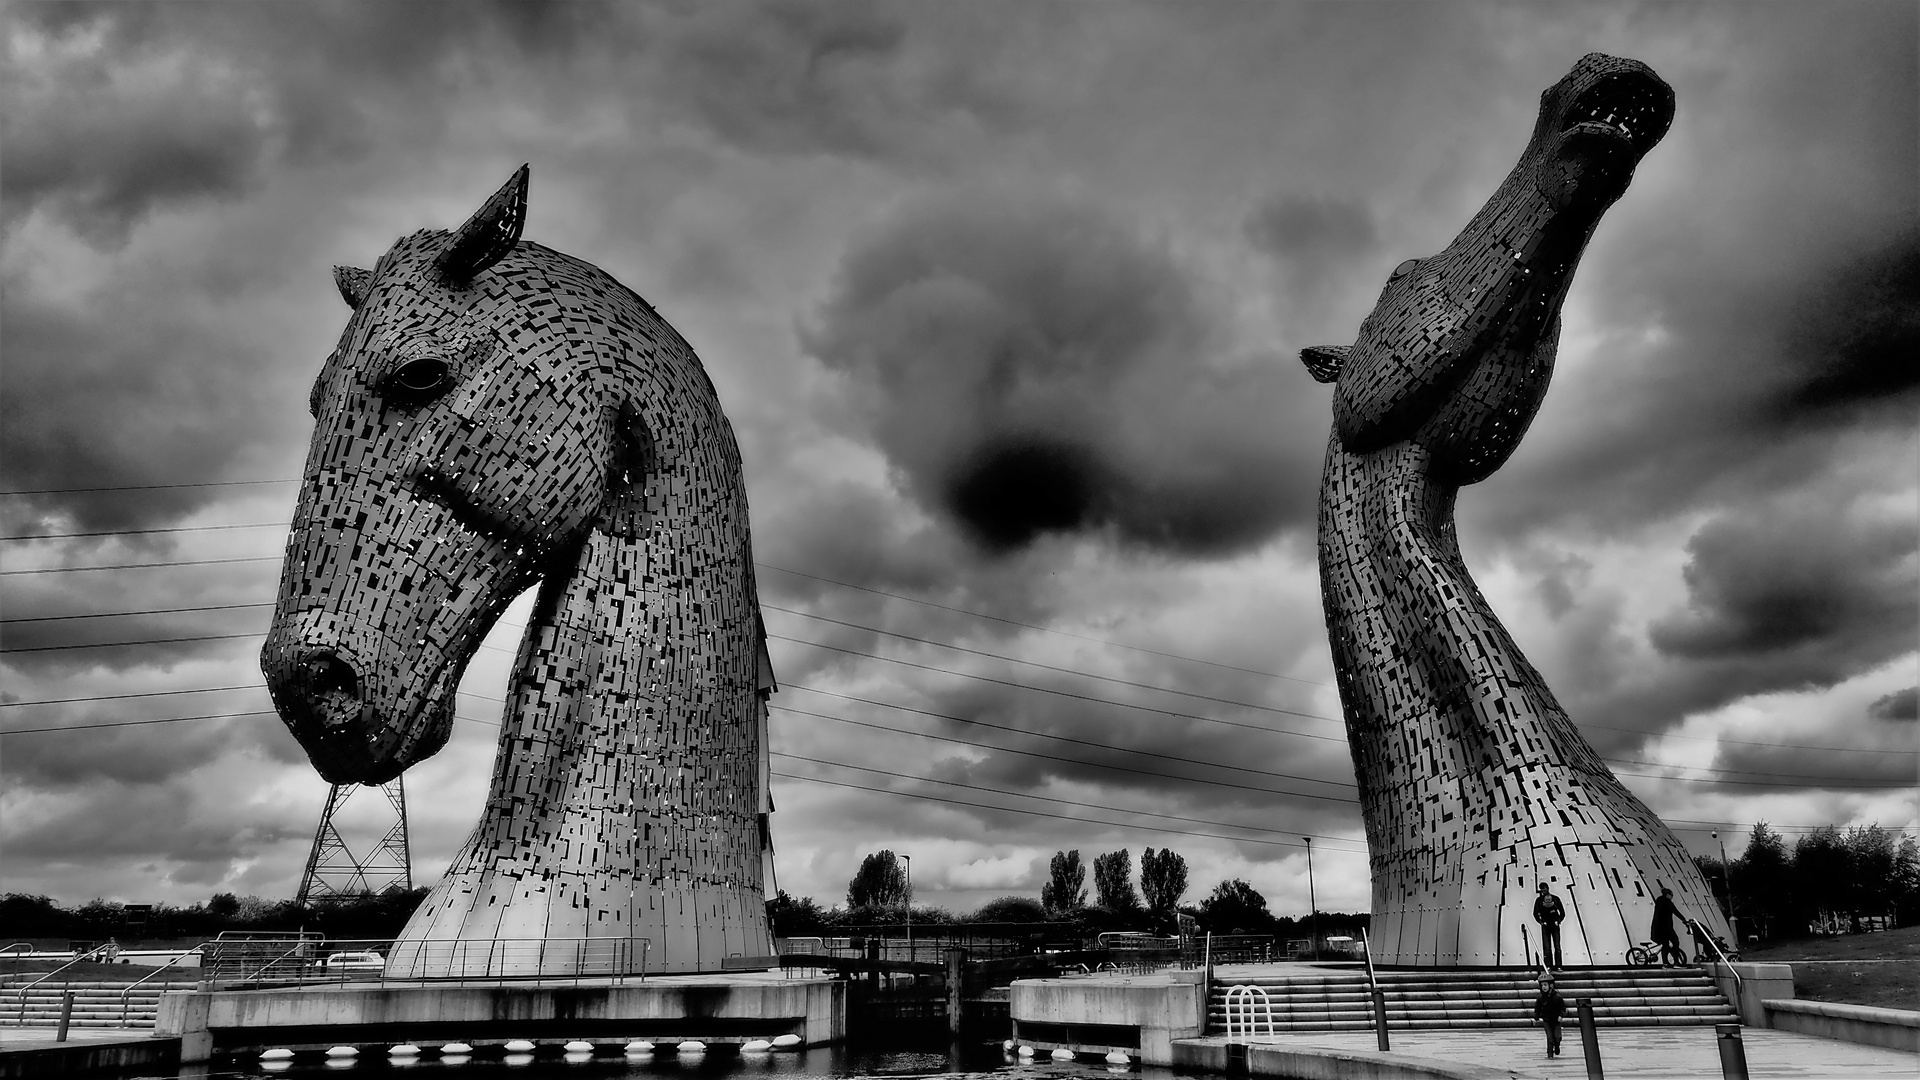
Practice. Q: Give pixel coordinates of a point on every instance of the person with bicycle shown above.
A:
(1664, 935)
(1548, 912)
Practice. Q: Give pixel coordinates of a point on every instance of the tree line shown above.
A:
(1828, 882)
(369, 917)
(881, 894)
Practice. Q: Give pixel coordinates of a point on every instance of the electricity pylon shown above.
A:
(335, 873)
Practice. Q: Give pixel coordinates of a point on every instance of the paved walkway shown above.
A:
(1689, 1053)
(11, 1037)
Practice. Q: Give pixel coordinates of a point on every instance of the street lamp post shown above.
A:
(1313, 906)
(1726, 878)
(908, 859)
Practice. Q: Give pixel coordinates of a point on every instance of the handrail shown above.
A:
(88, 955)
(27, 945)
(1706, 935)
(1367, 945)
(126, 995)
(297, 946)
(1244, 995)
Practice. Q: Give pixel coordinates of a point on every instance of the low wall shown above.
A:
(1897, 1028)
(1321, 1063)
(1758, 984)
(693, 1007)
(1162, 1008)
(80, 1058)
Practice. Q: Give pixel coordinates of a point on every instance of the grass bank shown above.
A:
(1880, 969)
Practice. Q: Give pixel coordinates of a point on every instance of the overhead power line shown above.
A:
(149, 487)
(1157, 774)
(1033, 626)
(1046, 667)
(1068, 802)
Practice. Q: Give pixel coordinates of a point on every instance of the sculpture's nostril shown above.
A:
(332, 690)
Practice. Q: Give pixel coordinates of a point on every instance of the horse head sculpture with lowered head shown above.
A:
(495, 415)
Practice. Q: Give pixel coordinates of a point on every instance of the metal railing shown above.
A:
(1376, 996)
(126, 995)
(258, 960)
(1702, 934)
(97, 950)
(1241, 1002)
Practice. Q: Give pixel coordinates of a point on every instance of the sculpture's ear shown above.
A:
(635, 461)
(1325, 361)
(488, 235)
(353, 283)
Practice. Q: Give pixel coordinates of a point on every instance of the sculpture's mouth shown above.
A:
(1630, 109)
(349, 734)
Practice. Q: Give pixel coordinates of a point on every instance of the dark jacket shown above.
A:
(1549, 1005)
(1663, 913)
(1547, 909)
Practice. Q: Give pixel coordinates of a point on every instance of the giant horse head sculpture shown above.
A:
(1475, 785)
(485, 409)
(498, 414)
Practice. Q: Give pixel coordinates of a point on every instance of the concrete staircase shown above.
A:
(1330, 1000)
(95, 1004)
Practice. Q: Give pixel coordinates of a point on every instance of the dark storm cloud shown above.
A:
(1860, 335)
(1034, 365)
(51, 762)
(151, 397)
(845, 78)
(120, 135)
(1808, 594)
(1899, 705)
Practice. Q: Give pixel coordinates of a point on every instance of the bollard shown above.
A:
(1589, 1038)
(1380, 1016)
(956, 979)
(66, 1015)
(1733, 1052)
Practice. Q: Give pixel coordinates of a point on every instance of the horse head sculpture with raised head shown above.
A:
(1475, 786)
(498, 414)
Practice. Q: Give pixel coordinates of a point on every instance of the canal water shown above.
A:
(827, 1063)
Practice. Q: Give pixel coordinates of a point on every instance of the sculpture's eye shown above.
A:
(417, 381)
(1403, 269)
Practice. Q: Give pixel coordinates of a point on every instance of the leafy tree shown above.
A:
(1163, 878)
(1235, 905)
(1870, 858)
(1763, 884)
(224, 905)
(1021, 909)
(791, 916)
(1113, 881)
(880, 882)
(1066, 887)
(1820, 873)
(1906, 882)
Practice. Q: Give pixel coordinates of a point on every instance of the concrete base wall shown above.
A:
(1164, 1007)
(1864, 1024)
(1758, 983)
(81, 1058)
(1319, 1063)
(748, 1006)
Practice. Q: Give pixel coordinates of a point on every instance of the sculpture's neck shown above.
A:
(634, 707)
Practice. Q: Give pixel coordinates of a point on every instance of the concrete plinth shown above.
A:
(1139, 1014)
(714, 1007)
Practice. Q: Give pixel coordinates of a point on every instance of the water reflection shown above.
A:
(826, 1063)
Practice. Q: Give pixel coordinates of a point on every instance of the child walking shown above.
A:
(1547, 1009)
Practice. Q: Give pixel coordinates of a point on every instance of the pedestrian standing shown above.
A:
(1548, 911)
(1547, 1008)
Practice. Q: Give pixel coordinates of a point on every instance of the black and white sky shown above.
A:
(1004, 301)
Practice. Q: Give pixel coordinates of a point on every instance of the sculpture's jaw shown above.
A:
(1595, 126)
(384, 598)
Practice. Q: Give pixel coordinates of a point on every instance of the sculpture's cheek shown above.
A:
(528, 458)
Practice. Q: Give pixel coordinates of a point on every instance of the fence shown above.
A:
(240, 960)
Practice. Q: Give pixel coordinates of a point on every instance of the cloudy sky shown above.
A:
(1004, 301)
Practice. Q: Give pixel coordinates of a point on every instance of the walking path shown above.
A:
(1689, 1053)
